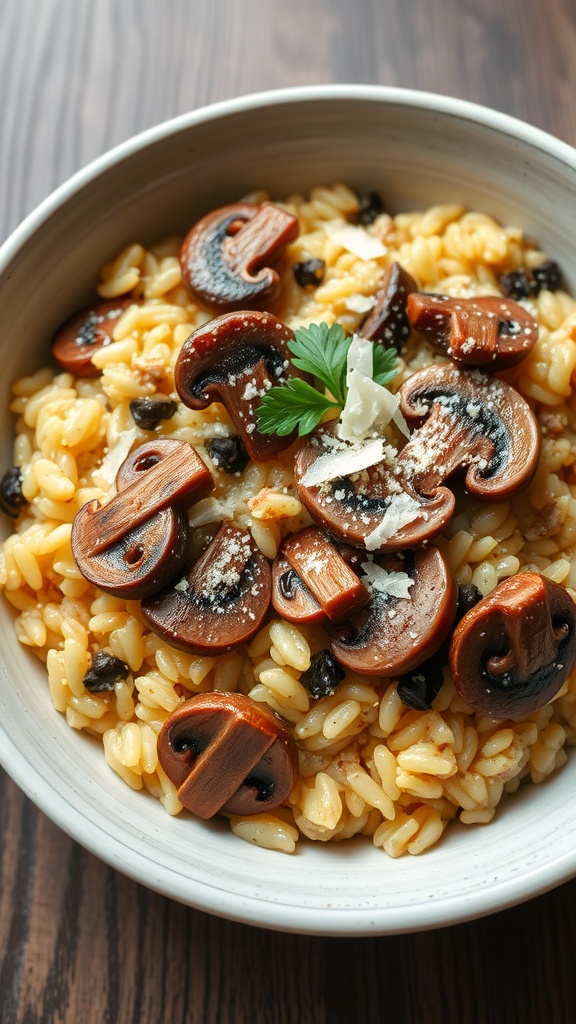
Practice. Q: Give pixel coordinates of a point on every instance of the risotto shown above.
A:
(368, 763)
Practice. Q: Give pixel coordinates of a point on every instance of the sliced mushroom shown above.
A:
(133, 545)
(222, 600)
(395, 633)
(226, 256)
(419, 688)
(290, 595)
(484, 331)
(226, 753)
(324, 585)
(388, 322)
(235, 359)
(511, 653)
(84, 334)
(463, 420)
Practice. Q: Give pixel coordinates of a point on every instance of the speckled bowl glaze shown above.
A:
(415, 149)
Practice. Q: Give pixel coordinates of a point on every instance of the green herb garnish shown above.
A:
(321, 351)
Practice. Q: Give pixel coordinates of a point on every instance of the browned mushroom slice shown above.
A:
(484, 331)
(331, 581)
(464, 420)
(511, 653)
(84, 334)
(468, 420)
(412, 607)
(133, 545)
(235, 359)
(220, 603)
(290, 595)
(225, 752)
(388, 322)
(225, 257)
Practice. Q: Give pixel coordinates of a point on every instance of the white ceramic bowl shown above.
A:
(415, 149)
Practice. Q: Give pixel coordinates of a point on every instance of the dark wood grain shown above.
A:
(79, 943)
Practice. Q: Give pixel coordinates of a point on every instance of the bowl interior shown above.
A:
(415, 150)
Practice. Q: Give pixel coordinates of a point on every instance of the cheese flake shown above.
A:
(402, 510)
(344, 460)
(359, 242)
(384, 583)
(116, 456)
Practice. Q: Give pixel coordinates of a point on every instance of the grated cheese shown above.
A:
(384, 583)
(358, 241)
(116, 456)
(344, 460)
(402, 510)
(369, 406)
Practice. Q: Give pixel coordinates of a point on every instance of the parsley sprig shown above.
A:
(321, 351)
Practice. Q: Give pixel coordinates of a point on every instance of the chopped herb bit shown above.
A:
(384, 362)
(296, 406)
(322, 352)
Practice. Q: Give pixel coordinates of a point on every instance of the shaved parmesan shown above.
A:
(402, 510)
(357, 241)
(344, 460)
(386, 584)
(359, 303)
(369, 406)
(359, 357)
(116, 456)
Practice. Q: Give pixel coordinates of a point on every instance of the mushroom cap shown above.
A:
(512, 651)
(220, 603)
(84, 334)
(226, 752)
(393, 635)
(235, 359)
(486, 331)
(133, 545)
(290, 595)
(354, 506)
(473, 420)
(387, 323)
(461, 419)
(225, 257)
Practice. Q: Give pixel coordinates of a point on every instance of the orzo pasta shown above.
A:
(368, 763)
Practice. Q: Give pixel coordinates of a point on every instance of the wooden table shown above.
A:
(78, 942)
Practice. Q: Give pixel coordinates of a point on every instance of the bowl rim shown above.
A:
(92, 833)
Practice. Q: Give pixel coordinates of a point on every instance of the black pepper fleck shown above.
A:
(149, 411)
(105, 671)
(525, 282)
(11, 497)
(419, 688)
(227, 453)
(371, 206)
(309, 272)
(324, 674)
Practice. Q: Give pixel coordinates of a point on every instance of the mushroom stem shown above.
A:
(462, 420)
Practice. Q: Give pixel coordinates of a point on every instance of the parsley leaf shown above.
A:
(384, 364)
(295, 405)
(322, 351)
